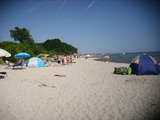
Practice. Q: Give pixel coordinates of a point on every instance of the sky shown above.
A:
(92, 26)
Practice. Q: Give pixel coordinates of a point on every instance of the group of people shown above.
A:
(61, 59)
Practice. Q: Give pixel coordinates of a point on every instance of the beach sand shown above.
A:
(87, 90)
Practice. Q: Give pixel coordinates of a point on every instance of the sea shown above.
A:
(124, 57)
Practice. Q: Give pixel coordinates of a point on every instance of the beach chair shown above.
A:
(9, 64)
(19, 65)
(3, 74)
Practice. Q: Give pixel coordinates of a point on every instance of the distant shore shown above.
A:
(124, 57)
(85, 90)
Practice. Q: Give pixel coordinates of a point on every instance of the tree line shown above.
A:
(25, 43)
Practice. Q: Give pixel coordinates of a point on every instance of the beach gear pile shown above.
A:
(123, 70)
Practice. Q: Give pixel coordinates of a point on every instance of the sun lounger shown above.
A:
(19, 65)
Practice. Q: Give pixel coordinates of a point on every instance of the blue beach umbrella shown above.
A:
(22, 55)
(41, 55)
(35, 62)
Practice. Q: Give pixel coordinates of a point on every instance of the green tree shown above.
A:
(22, 35)
(59, 47)
(52, 44)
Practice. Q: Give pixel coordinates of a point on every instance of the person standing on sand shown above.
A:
(65, 61)
(71, 59)
(59, 59)
(68, 59)
(55, 58)
(62, 59)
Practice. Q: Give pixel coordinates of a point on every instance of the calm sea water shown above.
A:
(126, 57)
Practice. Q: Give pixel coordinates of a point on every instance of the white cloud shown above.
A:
(31, 9)
(90, 4)
(64, 1)
(60, 8)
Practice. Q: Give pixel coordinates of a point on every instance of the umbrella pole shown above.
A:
(1, 61)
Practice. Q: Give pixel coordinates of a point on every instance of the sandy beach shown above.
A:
(86, 90)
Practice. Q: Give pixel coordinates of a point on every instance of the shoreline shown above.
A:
(87, 90)
(99, 60)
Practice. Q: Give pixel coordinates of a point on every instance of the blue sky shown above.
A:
(90, 25)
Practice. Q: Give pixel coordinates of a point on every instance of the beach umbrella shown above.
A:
(46, 55)
(22, 55)
(107, 57)
(43, 55)
(35, 62)
(4, 53)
